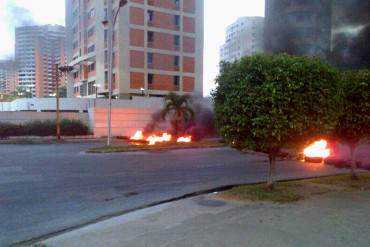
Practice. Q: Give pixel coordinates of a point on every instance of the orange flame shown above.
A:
(184, 139)
(139, 136)
(153, 139)
(317, 150)
(166, 137)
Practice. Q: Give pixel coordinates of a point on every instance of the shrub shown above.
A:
(354, 120)
(8, 129)
(43, 128)
(73, 128)
(40, 128)
(267, 102)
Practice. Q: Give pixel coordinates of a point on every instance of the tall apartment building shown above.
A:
(157, 46)
(8, 76)
(300, 27)
(243, 38)
(37, 50)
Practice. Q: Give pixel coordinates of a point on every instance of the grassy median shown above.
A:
(126, 147)
(285, 192)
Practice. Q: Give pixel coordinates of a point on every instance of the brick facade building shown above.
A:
(157, 46)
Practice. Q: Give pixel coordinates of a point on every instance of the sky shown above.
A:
(218, 14)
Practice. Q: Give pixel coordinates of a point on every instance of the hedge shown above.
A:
(43, 128)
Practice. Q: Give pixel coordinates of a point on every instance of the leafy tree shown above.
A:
(178, 109)
(267, 102)
(354, 121)
(63, 92)
(20, 92)
(24, 92)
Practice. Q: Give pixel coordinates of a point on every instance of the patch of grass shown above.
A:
(166, 146)
(345, 181)
(282, 193)
(285, 192)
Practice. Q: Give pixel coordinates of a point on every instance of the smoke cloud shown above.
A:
(18, 16)
(342, 30)
(351, 34)
(11, 16)
(202, 126)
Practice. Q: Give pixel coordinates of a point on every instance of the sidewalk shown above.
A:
(335, 219)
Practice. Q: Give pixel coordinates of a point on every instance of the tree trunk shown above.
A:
(352, 148)
(176, 129)
(271, 171)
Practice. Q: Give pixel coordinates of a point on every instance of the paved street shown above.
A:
(49, 188)
(208, 221)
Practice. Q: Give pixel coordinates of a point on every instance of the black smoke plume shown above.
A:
(202, 126)
(339, 28)
(351, 34)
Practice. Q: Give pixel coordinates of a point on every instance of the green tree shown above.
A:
(178, 109)
(267, 102)
(63, 92)
(354, 120)
(22, 92)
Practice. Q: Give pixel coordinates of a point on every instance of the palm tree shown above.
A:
(177, 107)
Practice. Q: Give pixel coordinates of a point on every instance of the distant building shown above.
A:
(243, 38)
(37, 50)
(8, 76)
(158, 47)
(300, 27)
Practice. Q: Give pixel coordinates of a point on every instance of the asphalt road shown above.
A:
(48, 188)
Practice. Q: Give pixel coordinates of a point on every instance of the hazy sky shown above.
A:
(218, 15)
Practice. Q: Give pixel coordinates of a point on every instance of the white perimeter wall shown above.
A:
(125, 121)
(24, 117)
(127, 115)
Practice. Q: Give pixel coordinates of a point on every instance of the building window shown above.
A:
(177, 4)
(150, 78)
(150, 15)
(106, 79)
(114, 59)
(91, 67)
(90, 32)
(91, 49)
(105, 14)
(176, 81)
(150, 58)
(91, 88)
(75, 45)
(91, 13)
(177, 61)
(177, 21)
(105, 38)
(83, 89)
(150, 36)
(176, 40)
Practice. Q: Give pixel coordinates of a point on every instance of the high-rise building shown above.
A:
(8, 76)
(243, 38)
(37, 50)
(157, 47)
(300, 27)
